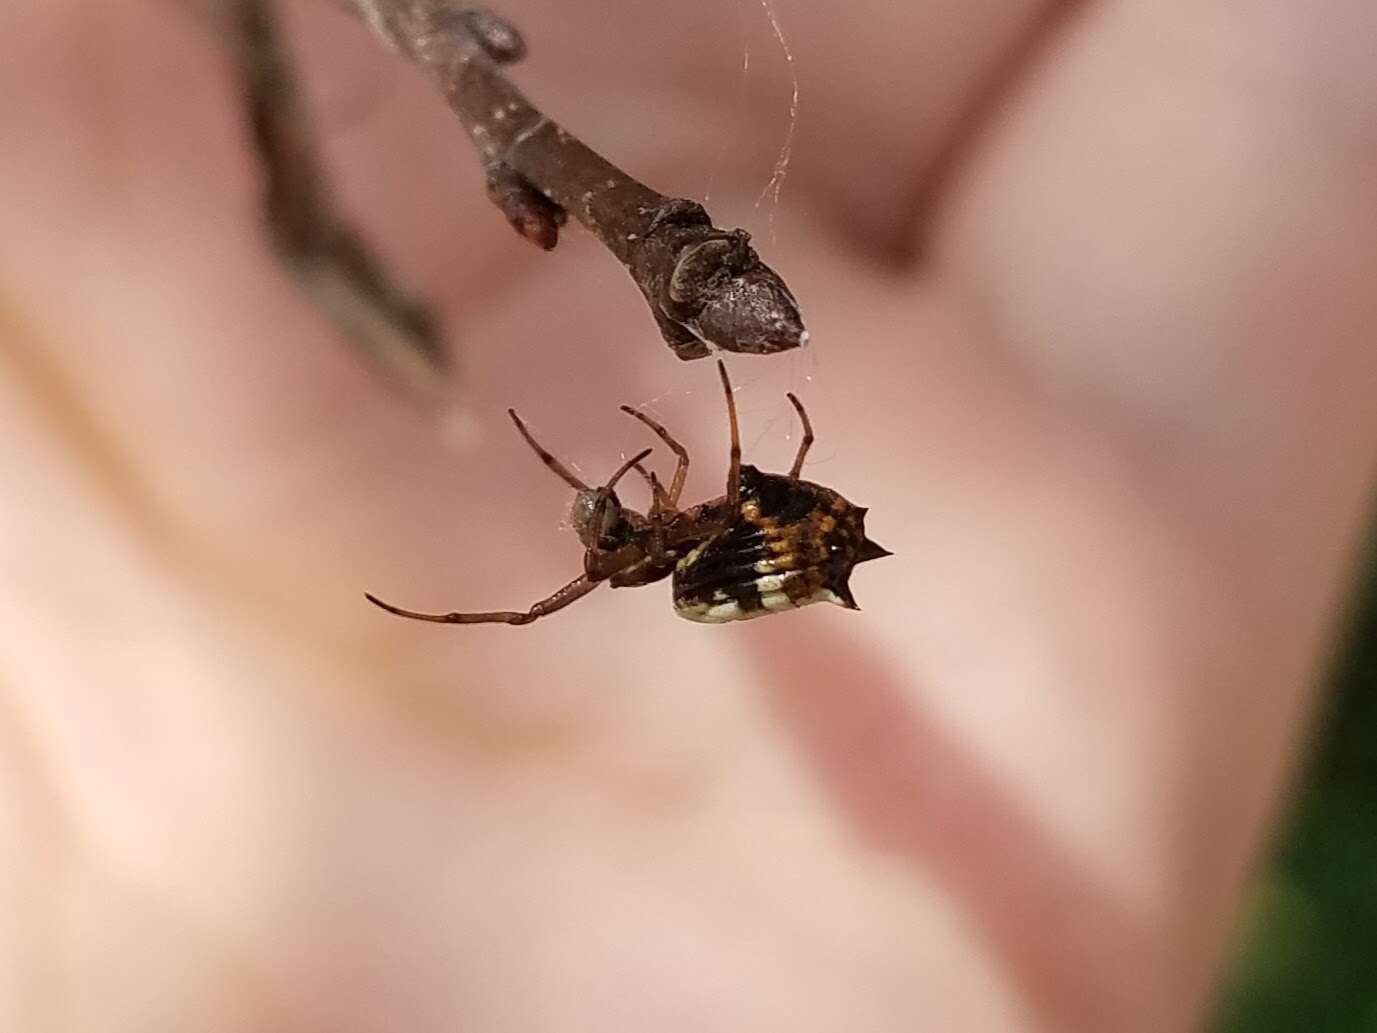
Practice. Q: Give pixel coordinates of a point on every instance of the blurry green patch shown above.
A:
(1280, 942)
(1307, 954)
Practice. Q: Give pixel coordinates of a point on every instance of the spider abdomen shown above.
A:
(790, 543)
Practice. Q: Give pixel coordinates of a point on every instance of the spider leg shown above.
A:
(634, 463)
(657, 490)
(594, 553)
(807, 441)
(554, 464)
(657, 520)
(734, 467)
(572, 592)
(676, 486)
(657, 514)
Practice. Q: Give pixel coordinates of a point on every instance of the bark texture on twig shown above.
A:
(706, 287)
(393, 330)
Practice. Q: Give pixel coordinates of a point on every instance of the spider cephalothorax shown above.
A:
(772, 542)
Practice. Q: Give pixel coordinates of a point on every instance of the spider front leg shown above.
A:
(598, 562)
(676, 484)
(659, 497)
(572, 592)
(659, 508)
(546, 457)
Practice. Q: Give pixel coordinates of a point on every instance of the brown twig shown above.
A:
(392, 329)
(705, 286)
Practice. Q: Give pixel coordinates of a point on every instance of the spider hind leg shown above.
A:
(807, 441)
(734, 465)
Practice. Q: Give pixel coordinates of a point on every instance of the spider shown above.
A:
(772, 542)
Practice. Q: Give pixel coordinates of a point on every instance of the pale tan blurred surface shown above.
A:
(1117, 432)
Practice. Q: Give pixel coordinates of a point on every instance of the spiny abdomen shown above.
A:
(791, 543)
